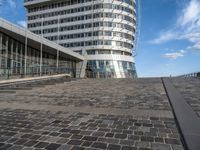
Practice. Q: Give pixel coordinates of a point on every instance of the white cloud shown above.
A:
(190, 14)
(195, 47)
(22, 23)
(174, 55)
(187, 26)
(166, 36)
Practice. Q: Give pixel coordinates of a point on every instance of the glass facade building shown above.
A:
(102, 31)
(24, 53)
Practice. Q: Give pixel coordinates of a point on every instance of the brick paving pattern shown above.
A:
(190, 90)
(117, 114)
(125, 94)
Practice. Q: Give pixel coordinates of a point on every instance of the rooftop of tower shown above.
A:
(33, 2)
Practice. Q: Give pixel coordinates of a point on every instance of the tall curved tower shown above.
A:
(101, 30)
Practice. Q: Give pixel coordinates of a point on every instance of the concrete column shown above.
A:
(21, 57)
(57, 60)
(41, 46)
(78, 66)
(11, 55)
(6, 55)
(18, 57)
(25, 57)
(1, 48)
(16, 51)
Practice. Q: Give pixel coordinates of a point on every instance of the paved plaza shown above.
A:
(114, 114)
(190, 89)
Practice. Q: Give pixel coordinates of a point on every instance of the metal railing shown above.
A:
(194, 74)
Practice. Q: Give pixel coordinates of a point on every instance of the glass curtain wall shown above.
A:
(110, 69)
(13, 60)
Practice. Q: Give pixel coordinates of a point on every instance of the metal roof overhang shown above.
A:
(34, 41)
(32, 3)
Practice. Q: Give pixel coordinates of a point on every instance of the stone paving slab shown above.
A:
(141, 94)
(190, 90)
(112, 114)
(44, 129)
(87, 109)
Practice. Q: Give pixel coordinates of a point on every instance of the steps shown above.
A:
(12, 88)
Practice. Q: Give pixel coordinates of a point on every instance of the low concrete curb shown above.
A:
(188, 121)
(26, 80)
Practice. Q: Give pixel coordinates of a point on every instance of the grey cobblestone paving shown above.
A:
(27, 129)
(44, 129)
(190, 89)
(125, 94)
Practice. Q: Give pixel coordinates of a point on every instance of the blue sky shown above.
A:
(170, 37)
(169, 43)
